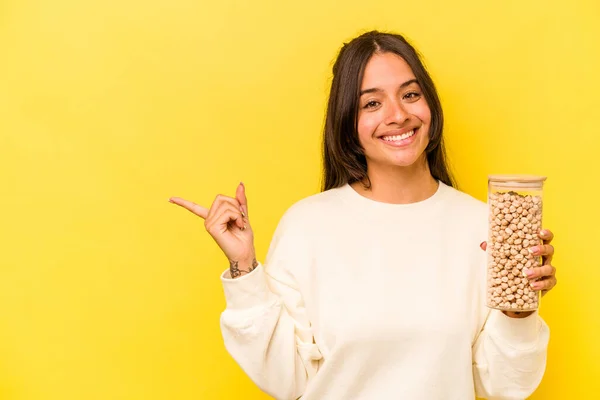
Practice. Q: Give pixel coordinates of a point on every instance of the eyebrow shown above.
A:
(373, 90)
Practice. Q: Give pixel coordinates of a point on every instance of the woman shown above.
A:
(375, 287)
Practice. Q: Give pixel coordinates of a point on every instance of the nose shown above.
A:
(396, 113)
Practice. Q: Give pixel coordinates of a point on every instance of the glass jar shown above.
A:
(514, 224)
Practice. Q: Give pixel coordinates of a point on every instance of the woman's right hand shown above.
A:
(227, 222)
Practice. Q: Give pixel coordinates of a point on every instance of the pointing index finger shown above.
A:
(190, 206)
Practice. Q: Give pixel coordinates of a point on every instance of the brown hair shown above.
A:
(343, 156)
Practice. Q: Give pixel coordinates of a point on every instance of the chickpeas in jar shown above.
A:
(514, 223)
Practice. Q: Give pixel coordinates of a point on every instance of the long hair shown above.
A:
(344, 160)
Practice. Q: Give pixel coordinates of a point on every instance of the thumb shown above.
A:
(240, 195)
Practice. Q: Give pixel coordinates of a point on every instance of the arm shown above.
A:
(509, 356)
(265, 326)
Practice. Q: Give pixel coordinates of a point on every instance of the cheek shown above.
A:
(423, 112)
(367, 124)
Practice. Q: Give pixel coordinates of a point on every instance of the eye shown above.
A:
(412, 96)
(371, 104)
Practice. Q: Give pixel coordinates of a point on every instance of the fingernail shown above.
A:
(533, 249)
(245, 226)
(171, 201)
(242, 183)
(536, 285)
(544, 232)
(242, 211)
(529, 273)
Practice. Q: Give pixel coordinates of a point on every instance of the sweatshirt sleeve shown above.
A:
(509, 356)
(265, 326)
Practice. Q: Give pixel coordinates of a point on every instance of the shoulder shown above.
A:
(298, 227)
(465, 213)
(463, 198)
(464, 202)
(312, 209)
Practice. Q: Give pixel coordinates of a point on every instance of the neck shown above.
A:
(399, 185)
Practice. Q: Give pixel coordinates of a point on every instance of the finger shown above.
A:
(190, 206)
(541, 272)
(483, 246)
(546, 235)
(220, 223)
(544, 250)
(544, 284)
(220, 201)
(216, 215)
(240, 195)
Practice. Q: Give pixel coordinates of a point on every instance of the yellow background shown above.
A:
(107, 108)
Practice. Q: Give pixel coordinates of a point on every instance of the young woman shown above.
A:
(375, 287)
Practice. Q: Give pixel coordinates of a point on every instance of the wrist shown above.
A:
(238, 268)
(520, 314)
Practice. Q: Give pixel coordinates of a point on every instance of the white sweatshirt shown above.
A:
(359, 299)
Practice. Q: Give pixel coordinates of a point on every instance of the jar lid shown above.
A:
(517, 180)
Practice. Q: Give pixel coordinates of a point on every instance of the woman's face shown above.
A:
(393, 116)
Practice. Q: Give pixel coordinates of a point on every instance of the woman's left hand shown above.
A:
(544, 277)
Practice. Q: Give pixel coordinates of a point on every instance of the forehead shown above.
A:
(386, 69)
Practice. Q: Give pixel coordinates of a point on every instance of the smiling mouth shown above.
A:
(399, 138)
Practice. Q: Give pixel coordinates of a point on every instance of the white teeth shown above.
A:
(399, 137)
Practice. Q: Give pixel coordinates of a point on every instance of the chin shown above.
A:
(409, 161)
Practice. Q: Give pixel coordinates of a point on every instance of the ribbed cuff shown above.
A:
(247, 291)
(520, 333)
